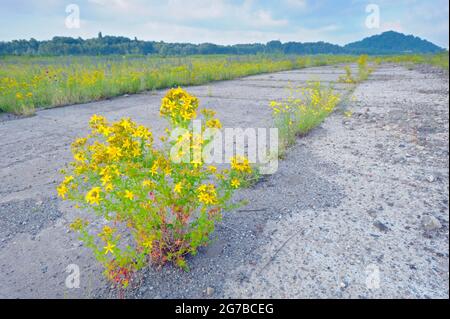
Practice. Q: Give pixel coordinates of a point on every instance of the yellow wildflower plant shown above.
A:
(214, 123)
(156, 210)
(363, 71)
(178, 106)
(304, 109)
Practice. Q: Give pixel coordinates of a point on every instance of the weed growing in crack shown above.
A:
(303, 110)
(363, 72)
(155, 210)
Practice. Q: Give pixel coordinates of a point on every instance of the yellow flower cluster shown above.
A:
(207, 194)
(319, 100)
(179, 106)
(123, 139)
(214, 123)
(120, 141)
(241, 164)
(93, 197)
(278, 107)
(63, 188)
(303, 110)
(78, 224)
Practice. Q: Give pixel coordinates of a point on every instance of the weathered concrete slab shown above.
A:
(329, 192)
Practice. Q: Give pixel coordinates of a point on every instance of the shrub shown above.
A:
(156, 208)
(304, 109)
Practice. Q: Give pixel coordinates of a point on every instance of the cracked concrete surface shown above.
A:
(346, 203)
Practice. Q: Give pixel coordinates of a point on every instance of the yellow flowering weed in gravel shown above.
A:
(156, 210)
(304, 109)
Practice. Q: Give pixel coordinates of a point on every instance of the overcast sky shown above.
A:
(224, 21)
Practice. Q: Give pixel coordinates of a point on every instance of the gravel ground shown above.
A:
(359, 197)
(35, 215)
(390, 164)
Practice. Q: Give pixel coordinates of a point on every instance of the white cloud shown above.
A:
(182, 21)
(189, 12)
(302, 4)
(122, 4)
(224, 21)
(265, 19)
(197, 9)
(178, 33)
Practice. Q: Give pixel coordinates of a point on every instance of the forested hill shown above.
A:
(391, 43)
(385, 43)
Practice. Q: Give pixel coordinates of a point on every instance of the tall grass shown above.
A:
(30, 82)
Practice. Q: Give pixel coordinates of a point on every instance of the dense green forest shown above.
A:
(385, 43)
(392, 43)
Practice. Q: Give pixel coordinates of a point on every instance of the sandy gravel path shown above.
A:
(347, 203)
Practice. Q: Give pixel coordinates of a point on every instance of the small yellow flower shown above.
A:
(97, 119)
(214, 123)
(178, 188)
(147, 183)
(106, 233)
(79, 142)
(212, 169)
(129, 195)
(154, 169)
(80, 157)
(126, 124)
(78, 224)
(241, 164)
(104, 130)
(126, 143)
(106, 179)
(136, 152)
(93, 196)
(109, 248)
(148, 244)
(62, 191)
(235, 183)
(114, 152)
(68, 179)
(168, 170)
(273, 104)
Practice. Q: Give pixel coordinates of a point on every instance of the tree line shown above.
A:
(389, 42)
(109, 45)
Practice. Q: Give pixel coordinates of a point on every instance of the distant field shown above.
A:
(27, 83)
(438, 60)
(30, 82)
